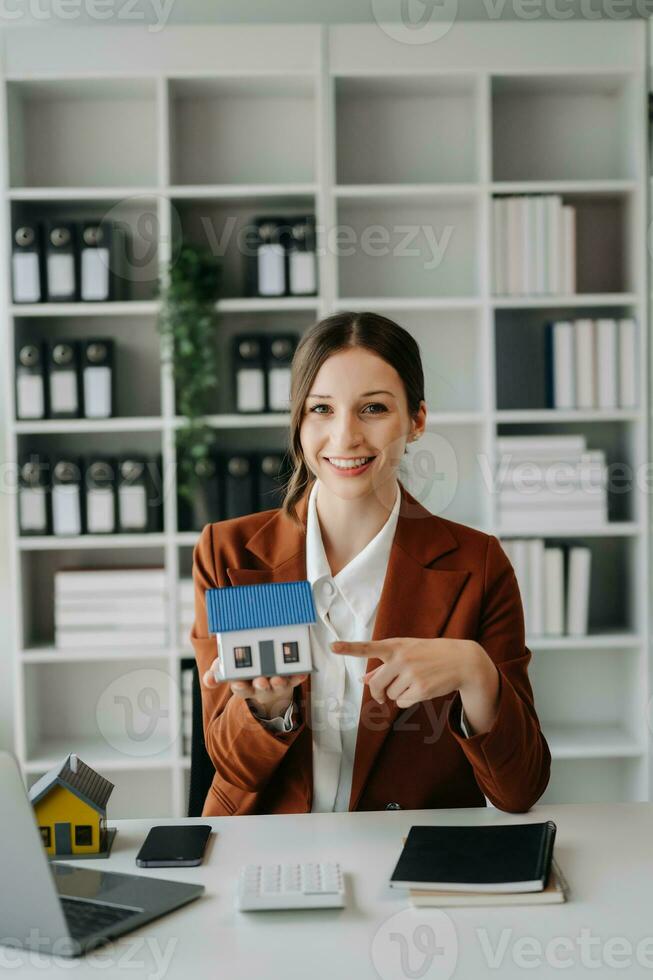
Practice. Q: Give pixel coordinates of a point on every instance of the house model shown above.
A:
(70, 806)
(262, 630)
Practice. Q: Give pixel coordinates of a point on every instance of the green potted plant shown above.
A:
(187, 324)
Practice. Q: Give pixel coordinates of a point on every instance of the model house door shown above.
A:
(62, 842)
(266, 651)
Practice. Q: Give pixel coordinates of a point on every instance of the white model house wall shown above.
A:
(251, 638)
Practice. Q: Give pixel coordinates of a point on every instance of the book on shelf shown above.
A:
(534, 445)
(106, 619)
(554, 591)
(535, 580)
(540, 484)
(578, 590)
(534, 241)
(567, 250)
(554, 585)
(116, 581)
(627, 340)
(591, 363)
(69, 639)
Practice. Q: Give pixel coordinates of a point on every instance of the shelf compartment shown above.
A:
(563, 126)
(619, 442)
(112, 714)
(591, 742)
(37, 576)
(406, 250)
(138, 267)
(600, 723)
(450, 342)
(604, 246)
(232, 325)
(137, 364)
(71, 134)
(226, 227)
(242, 130)
(614, 574)
(595, 780)
(390, 130)
(521, 337)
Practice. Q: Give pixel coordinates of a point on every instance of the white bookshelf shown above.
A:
(202, 128)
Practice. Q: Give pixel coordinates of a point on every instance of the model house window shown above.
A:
(83, 834)
(291, 653)
(46, 836)
(243, 656)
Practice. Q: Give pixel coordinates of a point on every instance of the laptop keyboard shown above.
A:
(84, 918)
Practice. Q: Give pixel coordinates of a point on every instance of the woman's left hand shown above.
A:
(418, 669)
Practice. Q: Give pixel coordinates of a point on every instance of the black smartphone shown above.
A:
(176, 845)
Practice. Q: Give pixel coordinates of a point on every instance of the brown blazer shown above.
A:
(443, 579)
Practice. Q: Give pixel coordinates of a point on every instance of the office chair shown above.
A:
(202, 769)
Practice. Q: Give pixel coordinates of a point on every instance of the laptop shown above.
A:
(58, 907)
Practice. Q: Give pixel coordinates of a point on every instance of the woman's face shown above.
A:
(355, 423)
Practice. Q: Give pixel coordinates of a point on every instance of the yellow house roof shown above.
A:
(79, 778)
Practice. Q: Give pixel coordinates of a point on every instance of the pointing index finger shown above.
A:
(372, 648)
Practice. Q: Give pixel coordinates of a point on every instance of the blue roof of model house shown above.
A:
(242, 607)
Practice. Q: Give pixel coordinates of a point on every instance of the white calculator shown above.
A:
(302, 885)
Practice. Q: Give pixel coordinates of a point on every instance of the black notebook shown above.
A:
(499, 858)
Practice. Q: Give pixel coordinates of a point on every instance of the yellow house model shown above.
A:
(70, 807)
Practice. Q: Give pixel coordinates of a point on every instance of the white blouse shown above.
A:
(346, 605)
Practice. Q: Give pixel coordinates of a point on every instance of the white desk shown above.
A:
(606, 852)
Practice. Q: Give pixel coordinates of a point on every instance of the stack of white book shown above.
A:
(550, 481)
(554, 583)
(591, 363)
(186, 610)
(110, 607)
(534, 245)
(186, 708)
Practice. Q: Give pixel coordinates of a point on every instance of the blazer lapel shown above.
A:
(416, 600)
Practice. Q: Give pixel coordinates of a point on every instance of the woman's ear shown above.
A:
(418, 422)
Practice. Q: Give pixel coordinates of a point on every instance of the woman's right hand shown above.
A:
(272, 695)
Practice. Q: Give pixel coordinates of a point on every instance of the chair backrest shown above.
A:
(202, 769)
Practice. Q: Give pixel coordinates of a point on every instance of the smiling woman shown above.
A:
(420, 696)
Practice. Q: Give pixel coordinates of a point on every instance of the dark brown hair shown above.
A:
(372, 331)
